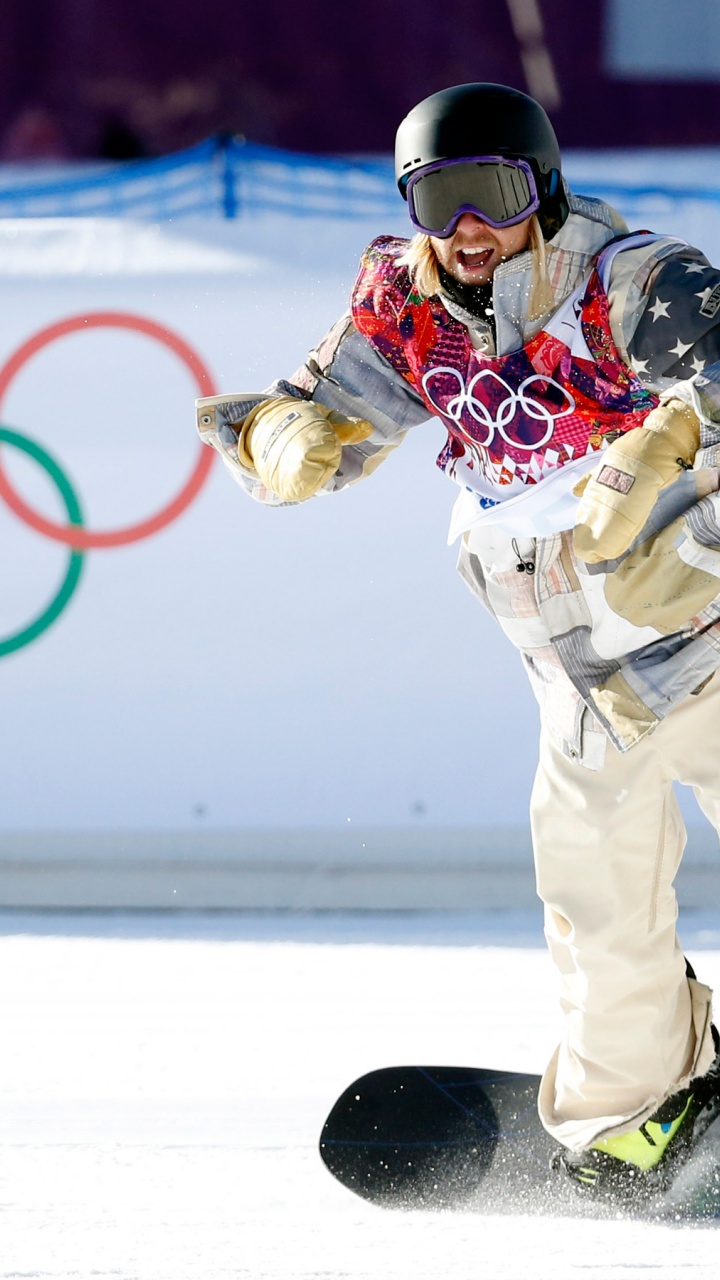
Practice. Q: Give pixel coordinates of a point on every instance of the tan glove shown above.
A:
(296, 445)
(618, 496)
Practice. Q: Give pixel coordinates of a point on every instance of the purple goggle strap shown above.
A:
(450, 226)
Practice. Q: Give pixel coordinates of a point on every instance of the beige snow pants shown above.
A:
(607, 847)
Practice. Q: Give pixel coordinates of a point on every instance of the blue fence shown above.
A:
(229, 178)
(220, 178)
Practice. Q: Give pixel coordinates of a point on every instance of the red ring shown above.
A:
(85, 538)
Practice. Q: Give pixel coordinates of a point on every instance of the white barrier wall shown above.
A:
(238, 668)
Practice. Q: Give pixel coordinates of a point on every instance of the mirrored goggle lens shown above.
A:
(500, 192)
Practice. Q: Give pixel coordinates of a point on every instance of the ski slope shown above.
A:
(165, 1080)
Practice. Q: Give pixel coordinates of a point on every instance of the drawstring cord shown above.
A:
(523, 566)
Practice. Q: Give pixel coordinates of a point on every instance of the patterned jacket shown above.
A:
(610, 649)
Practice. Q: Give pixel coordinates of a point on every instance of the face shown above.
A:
(473, 251)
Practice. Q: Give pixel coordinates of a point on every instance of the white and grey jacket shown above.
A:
(611, 648)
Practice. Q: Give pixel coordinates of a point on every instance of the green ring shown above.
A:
(72, 576)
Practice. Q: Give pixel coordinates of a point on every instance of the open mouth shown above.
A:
(474, 258)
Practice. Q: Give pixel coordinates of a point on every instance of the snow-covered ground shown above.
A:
(164, 1081)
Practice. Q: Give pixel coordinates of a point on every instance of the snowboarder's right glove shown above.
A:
(296, 445)
(620, 493)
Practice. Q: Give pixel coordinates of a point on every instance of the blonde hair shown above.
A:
(422, 264)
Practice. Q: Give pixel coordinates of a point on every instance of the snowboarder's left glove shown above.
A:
(619, 494)
(296, 445)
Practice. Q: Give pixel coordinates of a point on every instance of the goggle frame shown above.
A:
(445, 232)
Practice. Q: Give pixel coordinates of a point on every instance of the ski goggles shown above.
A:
(499, 191)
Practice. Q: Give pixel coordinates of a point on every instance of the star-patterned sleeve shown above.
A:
(677, 338)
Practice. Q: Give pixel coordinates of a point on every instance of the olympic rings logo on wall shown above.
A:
(74, 535)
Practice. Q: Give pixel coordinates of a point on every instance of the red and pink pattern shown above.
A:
(509, 418)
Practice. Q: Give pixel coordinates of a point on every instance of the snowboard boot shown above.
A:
(636, 1166)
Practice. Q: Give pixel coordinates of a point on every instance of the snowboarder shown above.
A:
(576, 368)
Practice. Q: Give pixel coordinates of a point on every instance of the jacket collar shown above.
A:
(590, 225)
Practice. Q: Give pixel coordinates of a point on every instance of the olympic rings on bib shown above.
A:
(513, 400)
(71, 502)
(74, 535)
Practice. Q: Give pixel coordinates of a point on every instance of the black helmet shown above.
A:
(485, 119)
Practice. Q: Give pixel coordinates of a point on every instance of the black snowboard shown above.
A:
(461, 1138)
